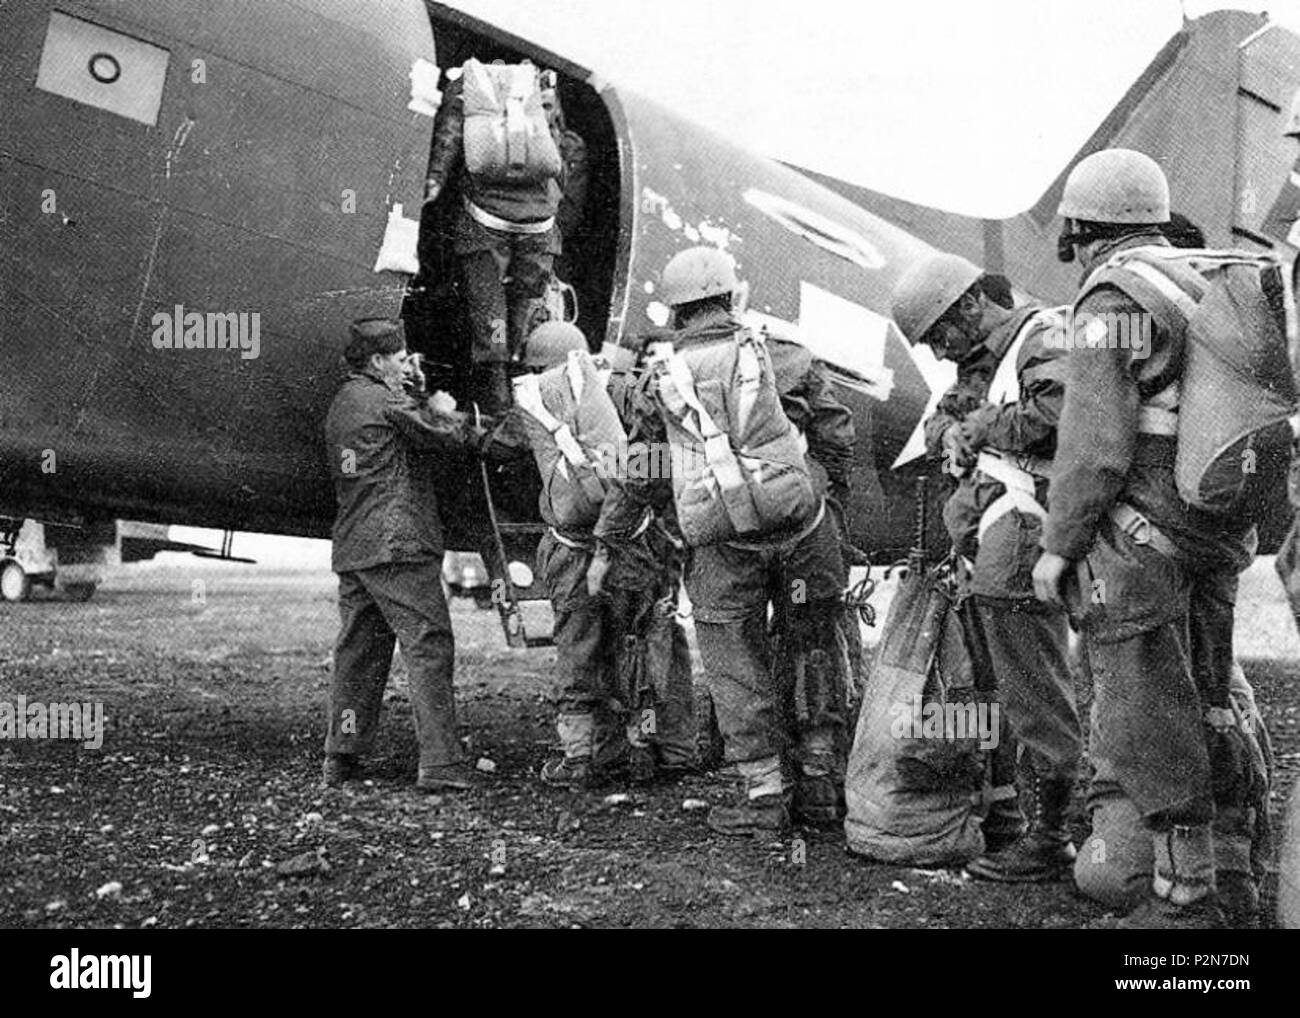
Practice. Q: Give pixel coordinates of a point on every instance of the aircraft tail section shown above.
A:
(1209, 108)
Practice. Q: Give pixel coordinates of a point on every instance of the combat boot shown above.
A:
(1045, 853)
(817, 800)
(1161, 914)
(338, 768)
(818, 794)
(455, 777)
(1004, 824)
(1183, 895)
(574, 772)
(1239, 898)
(763, 807)
(1235, 880)
(763, 814)
(576, 768)
(641, 768)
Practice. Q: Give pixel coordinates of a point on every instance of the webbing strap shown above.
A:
(1292, 318)
(1013, 471)
(528, 394)
(1165, 286)
(1142, 531)
(785, 543)
(1005, 387)
(486, 218)
(751, 379)
(1154, 420)
(573, 369)
(483, 79)
(569, 542)
(1011, 500)
(521, 83)
(717, 448)
(998, 793)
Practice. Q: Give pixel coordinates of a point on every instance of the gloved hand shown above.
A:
(1049, 571)
(975, 426)
(596, 571)
(958, 456)
(442, 402)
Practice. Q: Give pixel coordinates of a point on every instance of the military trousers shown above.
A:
(1158, 633)
(621, 656)
(1115, 863)
(1020, 649)
(772, 681)
(504, 276)
(399, 602)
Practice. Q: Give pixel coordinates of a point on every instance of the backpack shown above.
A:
(575, 435)
(507, 138)
(738, 464)
(1236, 394)
(913, 794)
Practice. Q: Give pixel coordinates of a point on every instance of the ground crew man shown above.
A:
(781, 722)
(996, 430)
(622, 657)
(1151, 579)
(382, 444)
(505, 242)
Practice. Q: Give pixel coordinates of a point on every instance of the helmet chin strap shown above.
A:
(1066, 242)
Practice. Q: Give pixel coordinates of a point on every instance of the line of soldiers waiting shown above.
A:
(746, 510)
(1180, 763)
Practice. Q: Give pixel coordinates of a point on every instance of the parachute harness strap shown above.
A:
(717, 444)
(528, 393)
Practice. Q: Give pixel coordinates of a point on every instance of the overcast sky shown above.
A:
(973, 106)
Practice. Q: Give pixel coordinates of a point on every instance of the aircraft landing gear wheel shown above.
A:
(79, 591)
(15, 585)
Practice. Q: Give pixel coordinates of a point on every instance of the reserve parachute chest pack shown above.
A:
(739, 469)
(575, 434)
(507, 138)
(1233, 406)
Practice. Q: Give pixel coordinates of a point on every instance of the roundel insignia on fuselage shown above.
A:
(821, 230)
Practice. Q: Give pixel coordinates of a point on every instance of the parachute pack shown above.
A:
(739, 469)
(507, 138)
(915, 777)
(1232, 408)
(575, 432)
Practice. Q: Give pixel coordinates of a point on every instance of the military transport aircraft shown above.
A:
(253, 169)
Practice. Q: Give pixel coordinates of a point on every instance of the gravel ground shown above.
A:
(202, 807)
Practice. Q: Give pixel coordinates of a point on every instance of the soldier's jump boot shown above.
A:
(338, 768)
(1183, 893)
(577, 768)
(1045, 852)
(764, 805)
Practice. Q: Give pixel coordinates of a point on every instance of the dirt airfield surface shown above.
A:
(203, 806)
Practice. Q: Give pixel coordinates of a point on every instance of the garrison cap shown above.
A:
(369, 336)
